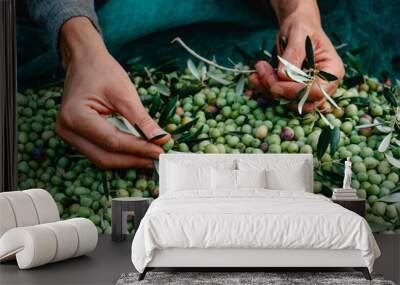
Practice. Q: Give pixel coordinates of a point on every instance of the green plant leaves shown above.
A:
(384, 145)
(328, 97)
(186, 138)
(185, 127)
(334, 140)
(388, 93)
(293, 72)
(123, 125)
(163, 89)
(304, 98)
(393, 161)
(218, 78)
(323, 141)
(168, 111)
(327, 76)
(391, 198)
(155, 106)
(309, 53)
(328, 137)
(240, 86)
(354, 62)
(193, 69)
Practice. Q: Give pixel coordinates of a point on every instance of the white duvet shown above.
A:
(253, 218)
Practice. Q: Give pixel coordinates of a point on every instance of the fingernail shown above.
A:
(156, 132)
(260, 67)
(156, 137)
(277, 90)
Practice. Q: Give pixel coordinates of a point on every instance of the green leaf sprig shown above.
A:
(308, 77)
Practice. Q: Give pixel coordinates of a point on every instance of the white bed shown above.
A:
(247, 226)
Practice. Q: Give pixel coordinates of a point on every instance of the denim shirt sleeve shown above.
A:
(52, 14)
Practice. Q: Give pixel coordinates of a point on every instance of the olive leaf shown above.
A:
(193, 69)
(185, 127)
(323, 141)
(389, 96)
(304, 98)
(327, 76)
(203, 71)
(309, 53)
(220, 78)
(131, 128)
(384, 145)
(396, 141)
(120, 125)
(163, 89)
(324, 119)
(391, 198)
(393, 161)
(156, 164)
(328, 97)
(354, 62)
(168, 111)
(284, 101)
(293, 71)
(190, 137)
(334, 140)
(155, 106)
(368, 125)
(240, 86)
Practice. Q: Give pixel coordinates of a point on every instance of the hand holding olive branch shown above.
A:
(299, 19)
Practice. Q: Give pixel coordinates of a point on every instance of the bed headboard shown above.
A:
(201, 159)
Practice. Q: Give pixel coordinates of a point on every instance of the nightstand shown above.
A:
(355, 205)
(121, 208)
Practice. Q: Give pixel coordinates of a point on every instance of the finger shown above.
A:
(89, 124)
(266, 74)
(256, 84)
(130, 106)
(294, 53)
(288, 90)
(100, 157)
(307, 107)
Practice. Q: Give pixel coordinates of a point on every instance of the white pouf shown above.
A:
(31, 232)
(46, 208)
(7, 218)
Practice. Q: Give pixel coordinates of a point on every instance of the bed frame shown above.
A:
(248, 259)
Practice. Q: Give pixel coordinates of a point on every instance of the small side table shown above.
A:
(355, 205)
(120, 208)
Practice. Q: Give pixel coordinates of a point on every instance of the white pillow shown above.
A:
(223, 179)
(251, 178)
(181, 177)
(293, 179)
(282, 172)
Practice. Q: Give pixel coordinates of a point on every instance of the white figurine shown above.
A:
(347, 174)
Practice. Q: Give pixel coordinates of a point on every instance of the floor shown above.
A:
(103, 266)
(110, 259)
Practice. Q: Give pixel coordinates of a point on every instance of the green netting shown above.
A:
(134, 28)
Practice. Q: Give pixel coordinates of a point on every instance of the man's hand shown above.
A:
(298, 19)
(97, 86)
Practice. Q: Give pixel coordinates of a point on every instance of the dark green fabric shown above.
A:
(134, 28)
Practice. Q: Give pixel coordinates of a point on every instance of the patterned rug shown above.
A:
(244, 278)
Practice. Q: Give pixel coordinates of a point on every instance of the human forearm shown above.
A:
(298, 8)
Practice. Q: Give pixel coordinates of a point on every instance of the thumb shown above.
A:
(294, 53)
(130, 106)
